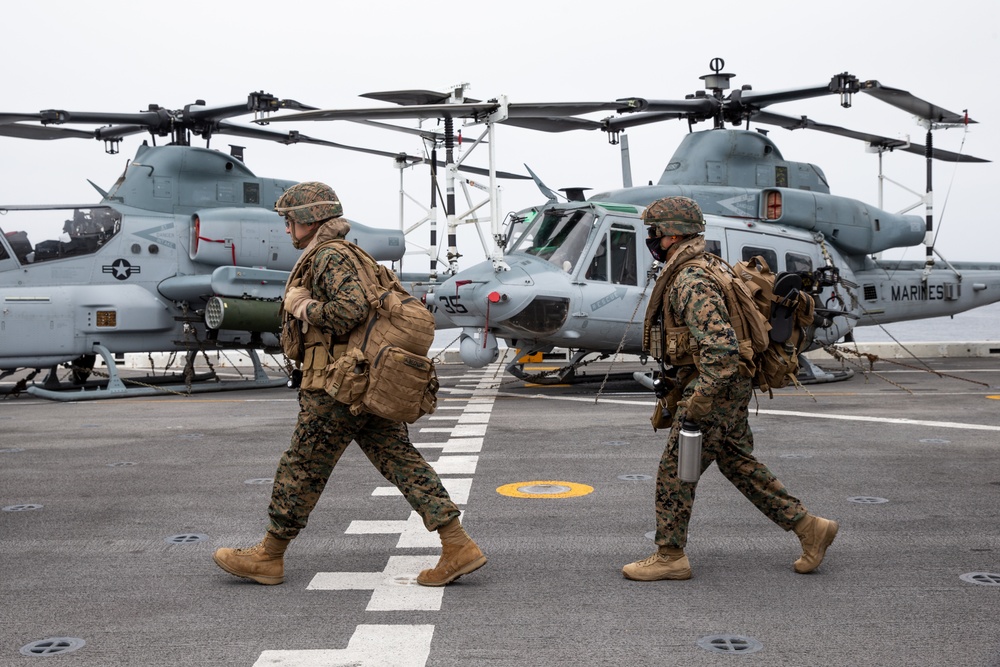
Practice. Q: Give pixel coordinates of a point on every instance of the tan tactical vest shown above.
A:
(312, 350)
(672, 341)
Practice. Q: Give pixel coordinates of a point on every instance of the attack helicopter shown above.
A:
(183, 254)
(576, 274)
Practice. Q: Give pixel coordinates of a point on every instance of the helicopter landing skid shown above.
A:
(810, 373)
(116, 387)
(556, 375)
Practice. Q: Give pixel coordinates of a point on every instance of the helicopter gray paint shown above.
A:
(152, 273)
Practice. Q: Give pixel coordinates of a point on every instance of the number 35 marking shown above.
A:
(453, 305)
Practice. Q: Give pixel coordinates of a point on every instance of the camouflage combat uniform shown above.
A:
(695, 300)
(326, 427)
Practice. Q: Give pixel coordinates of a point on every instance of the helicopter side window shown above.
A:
(796, 263)
(713, 246)
(769, 255)
(623, 271)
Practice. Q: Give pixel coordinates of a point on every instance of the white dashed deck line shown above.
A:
(457, 487)
(370, 646)
(393, 589)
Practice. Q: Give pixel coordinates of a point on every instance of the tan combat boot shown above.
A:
(264, 562)
(666, 563)
(459, 555)
(816, 534)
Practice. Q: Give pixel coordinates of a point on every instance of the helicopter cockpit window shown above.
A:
(47, 234)
(598, 269)
(559, 237)
(769, 256)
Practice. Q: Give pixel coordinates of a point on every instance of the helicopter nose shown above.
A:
(512, 303)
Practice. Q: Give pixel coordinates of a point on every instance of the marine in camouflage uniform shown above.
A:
(324, 301)
(711, 392)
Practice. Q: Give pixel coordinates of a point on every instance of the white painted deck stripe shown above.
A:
(393, 589)
(370, 646)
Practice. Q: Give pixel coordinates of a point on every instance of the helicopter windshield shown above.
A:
(559, 236)
(38, 235)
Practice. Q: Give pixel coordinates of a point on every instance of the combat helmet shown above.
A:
(674, 216)
(309, 202)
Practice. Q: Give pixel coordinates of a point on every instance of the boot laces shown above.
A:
(652, 560)
(246, 551)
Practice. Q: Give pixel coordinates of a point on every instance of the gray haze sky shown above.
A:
(123, 56)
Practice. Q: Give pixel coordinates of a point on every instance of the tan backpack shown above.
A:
(385, 370)
(771, 316)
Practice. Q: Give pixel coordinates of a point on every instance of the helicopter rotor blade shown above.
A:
(7, 118)
(557, 121)
(615, 123)
(412, 97)
(802, 122)
(257, 103)
(554, 124)
(295, 137)
(116, 131)
(21, 131)
(765, 98)
(149, 119)
(701, 106)
(471, 110)
(904, 100)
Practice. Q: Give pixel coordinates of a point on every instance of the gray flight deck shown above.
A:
(112, 510)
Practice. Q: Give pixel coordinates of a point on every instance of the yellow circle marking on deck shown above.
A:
(544, 489)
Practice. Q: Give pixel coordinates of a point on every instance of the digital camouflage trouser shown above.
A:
(727, 440)
(324, 430)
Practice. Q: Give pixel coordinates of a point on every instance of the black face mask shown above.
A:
(653, 243)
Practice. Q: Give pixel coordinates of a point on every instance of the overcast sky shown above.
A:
(123, 56)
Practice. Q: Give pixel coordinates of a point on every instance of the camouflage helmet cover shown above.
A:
(309, 202)
(674, 216)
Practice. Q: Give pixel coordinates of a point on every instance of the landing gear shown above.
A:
(183, 383)
(81, 368)
(810, 373)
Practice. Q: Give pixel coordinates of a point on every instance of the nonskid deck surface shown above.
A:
(112, 511)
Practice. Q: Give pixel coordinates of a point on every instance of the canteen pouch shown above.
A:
(661, 415)
(347, 377)
(292, 339)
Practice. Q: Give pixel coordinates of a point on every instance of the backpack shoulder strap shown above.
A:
(657, 319)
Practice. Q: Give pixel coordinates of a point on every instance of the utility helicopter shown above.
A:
(183, 254)
(576, 275)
